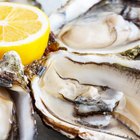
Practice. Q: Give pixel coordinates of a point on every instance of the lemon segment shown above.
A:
(1, 28)
(24, 29)
(4, 10)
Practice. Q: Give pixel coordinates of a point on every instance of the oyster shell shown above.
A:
(14, 83)
(85, 96)
(99, 27)
(62, 11)
(8, 126)
(106, 34)
(51, 6)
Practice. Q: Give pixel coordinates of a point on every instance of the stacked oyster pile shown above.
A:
(87, 84)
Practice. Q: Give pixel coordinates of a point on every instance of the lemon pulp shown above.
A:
(24, 29)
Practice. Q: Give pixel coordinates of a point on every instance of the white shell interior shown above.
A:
(91, 71)
(6, 114)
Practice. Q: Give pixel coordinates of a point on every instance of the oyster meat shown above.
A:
(85, 95)
(99, 27)
(106, 34)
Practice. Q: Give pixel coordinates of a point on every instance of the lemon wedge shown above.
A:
(24, 29)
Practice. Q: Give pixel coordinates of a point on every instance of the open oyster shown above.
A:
(16, 119)
(104, 34)
(99, 27)
(89, 96)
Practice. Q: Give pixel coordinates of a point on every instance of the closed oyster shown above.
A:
(15, 98)
(85, 95)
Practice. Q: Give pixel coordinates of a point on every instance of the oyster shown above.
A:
(101, 27)
(15, 97)
(105, 34)
(85, 95)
